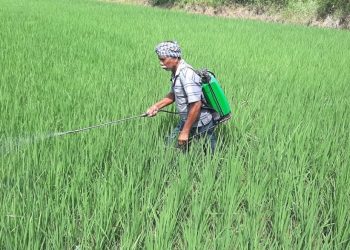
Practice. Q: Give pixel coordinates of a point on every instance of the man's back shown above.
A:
(186, 85)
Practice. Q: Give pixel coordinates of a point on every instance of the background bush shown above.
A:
(339, 8)
(329, 7)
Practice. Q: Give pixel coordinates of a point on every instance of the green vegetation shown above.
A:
(318, 8)
(280, 181)
(326, 7)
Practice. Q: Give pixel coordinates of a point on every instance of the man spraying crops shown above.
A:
(187, 94)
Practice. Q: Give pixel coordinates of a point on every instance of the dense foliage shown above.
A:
(340, 8)
(329, 7)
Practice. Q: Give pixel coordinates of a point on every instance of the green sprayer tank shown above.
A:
(216, 99)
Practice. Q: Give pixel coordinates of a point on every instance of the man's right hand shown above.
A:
(152, 111)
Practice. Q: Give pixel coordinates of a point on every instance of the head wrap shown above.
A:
(168, 49)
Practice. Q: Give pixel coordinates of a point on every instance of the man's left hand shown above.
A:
(183, 138)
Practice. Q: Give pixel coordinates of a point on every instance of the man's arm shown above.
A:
(167, 100)
(193, 113)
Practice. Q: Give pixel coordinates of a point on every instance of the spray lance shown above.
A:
(118, 121)
(214, 97)
(103, 124)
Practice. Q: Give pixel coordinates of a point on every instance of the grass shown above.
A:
(280, 181)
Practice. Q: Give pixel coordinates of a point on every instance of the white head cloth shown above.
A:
(168, 49)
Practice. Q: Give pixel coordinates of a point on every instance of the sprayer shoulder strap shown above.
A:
(199, 72)
(205, 104)
(176, 76)
(187, 67)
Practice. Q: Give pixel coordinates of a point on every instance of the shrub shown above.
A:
(329, 7)
(161, 2)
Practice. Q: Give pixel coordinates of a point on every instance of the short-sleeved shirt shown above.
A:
(186, 86)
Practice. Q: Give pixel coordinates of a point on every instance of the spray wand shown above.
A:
(115, 122)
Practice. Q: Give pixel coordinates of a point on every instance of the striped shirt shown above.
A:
(186, 86)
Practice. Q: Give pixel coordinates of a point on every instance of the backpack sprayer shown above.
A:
(214, 96)
(215, 100)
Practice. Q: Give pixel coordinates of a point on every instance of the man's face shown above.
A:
(168, 63)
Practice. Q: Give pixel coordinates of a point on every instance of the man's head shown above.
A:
(169, 54)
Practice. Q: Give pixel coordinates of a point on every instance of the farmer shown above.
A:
(187, 94)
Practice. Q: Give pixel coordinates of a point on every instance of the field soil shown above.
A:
(253, 13)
